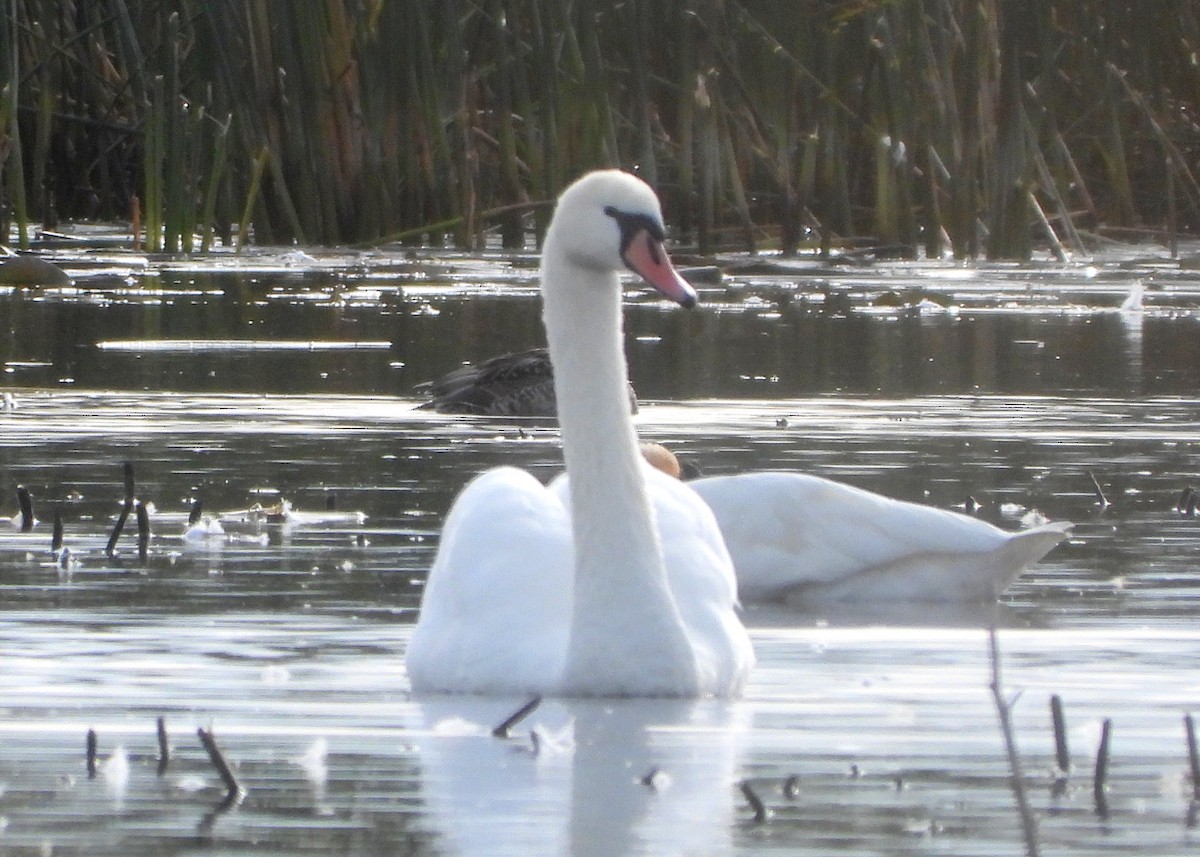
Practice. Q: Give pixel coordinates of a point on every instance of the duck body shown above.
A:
(613, 581)
(510, 385)
(803, 539)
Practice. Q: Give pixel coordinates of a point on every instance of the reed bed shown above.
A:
(985, 127)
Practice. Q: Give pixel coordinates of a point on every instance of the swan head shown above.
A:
(610, 220)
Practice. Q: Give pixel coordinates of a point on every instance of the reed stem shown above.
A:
(908, 124)
(1017, 776)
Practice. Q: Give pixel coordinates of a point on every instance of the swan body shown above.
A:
(803, 539)
(614, 580)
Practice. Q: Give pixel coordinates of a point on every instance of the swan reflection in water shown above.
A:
(604, 776)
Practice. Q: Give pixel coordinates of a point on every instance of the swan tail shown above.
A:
(1029, 546)
(962, 577)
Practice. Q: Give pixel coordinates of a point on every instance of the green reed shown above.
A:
(935, 126)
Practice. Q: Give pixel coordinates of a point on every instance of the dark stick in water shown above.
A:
(218, 759)
(756, 804)
(91, 753)
(25, 501)
(129, 483)
(143, 521)
(516, 717)
(1061, 753)
(111, 548)
(1100, 778)
(1193, 756)
(56, 540)
(164, 748)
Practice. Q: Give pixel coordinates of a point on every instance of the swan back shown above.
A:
(793, 533)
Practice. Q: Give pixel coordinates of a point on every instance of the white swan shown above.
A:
(807, 540)
(631, 595)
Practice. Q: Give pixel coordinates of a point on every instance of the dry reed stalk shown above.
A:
(762, 115)
(1062, 754)
(228, 778)
(260, 163)
(1189, 727)
(1100, 776)
(216, 173)
(1017, 776)
(15, 161)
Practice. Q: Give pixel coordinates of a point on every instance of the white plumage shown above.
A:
(615, 580)
(800, 538)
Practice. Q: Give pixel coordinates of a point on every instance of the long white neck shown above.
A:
(626, 633)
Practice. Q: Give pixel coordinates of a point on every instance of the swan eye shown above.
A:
(631, 224)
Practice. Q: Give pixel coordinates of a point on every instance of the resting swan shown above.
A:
(614, 580)
(807, 540)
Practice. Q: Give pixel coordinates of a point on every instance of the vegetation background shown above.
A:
(972, 127)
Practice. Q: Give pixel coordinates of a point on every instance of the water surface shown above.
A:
(265, 378)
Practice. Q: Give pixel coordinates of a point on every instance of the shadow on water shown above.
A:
(257, 383)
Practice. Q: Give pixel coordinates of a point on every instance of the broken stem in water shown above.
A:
(1004, 711)
(232, 786)
(516, 717)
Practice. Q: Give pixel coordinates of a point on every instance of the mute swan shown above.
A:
(807, 540)
(614, 580)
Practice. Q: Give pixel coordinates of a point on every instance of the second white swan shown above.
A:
(807, 540)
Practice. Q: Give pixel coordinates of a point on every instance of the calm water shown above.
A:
(288, 640)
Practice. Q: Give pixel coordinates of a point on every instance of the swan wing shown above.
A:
(496, 608)
(789, 530)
